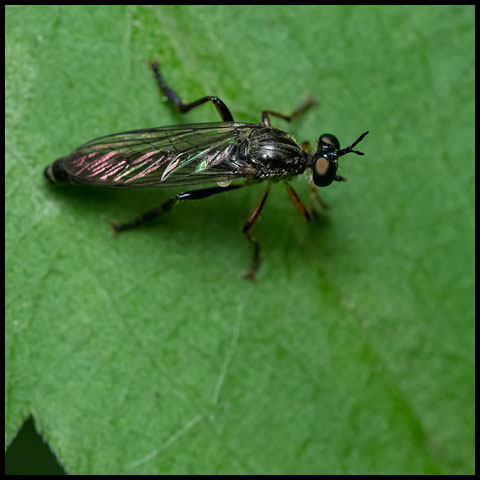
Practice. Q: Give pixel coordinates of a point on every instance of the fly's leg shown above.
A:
(167, 206)
(302, 210)
(316, 199)
(174, 98)
(303, 107)
(252, 219)
(306, 147)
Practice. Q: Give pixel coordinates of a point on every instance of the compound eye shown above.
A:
(330, 139)
(321, 166)
(323, 172)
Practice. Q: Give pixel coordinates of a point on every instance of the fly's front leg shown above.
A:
(306, 147)
(252, 219)
(316, 199)
(174, 98)
(167, 206)
(303, 107)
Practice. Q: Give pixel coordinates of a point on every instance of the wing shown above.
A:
(165, 156)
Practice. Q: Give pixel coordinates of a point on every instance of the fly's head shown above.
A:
(324, 162)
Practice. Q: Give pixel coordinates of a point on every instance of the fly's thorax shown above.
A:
(276, 151)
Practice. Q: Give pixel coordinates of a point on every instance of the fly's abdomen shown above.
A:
(56, 173)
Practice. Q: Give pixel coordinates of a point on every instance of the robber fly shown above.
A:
(204, 153)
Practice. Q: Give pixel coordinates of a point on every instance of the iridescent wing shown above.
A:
(165, 156)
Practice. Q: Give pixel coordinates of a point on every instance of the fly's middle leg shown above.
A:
(252, 219)
(168, 205)
(301, 208)
(302, 108)
(174, 98)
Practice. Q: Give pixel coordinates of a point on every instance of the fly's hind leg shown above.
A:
(168, 205)
(173, 97)
(252, 219)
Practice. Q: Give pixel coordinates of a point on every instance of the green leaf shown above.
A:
(149, 353)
